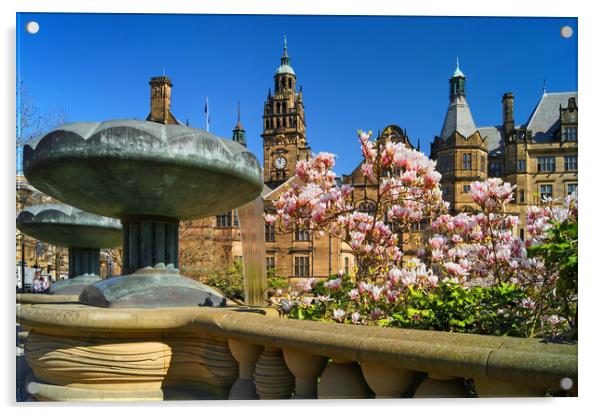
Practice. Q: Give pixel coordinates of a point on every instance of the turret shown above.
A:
(457, 82)
(238, 134)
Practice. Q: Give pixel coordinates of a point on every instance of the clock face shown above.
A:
(280, 163)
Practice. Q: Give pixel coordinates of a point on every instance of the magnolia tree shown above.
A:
(482, 249)
(407, 192)
(554, 243)
(473, 274)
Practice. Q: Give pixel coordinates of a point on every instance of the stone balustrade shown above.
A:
(78, 352)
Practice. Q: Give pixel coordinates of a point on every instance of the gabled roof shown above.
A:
(493, 136)
(545, 119)
(458, 118)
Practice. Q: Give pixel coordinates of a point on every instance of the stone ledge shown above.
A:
(531, 362)
(27, 298)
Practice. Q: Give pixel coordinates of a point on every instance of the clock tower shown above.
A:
(284, 141)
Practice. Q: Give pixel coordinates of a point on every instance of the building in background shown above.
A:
(539, 157)
(35, 257)
(298, 254)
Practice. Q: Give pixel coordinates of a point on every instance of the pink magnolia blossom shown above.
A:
(474, 249)
(338, 314)
(333, 284)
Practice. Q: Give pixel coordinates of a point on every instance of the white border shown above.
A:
(589, 97)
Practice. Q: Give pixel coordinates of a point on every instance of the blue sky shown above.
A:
(356, 72)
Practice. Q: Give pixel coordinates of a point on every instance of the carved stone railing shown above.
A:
(78, 352)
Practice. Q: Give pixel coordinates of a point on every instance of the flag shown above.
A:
(206, 113)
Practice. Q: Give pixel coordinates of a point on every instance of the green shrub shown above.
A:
(229, 282)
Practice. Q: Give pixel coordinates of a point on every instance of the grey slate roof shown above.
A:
(543, 122)
(458, 118)
(545, 119)
(493, 136)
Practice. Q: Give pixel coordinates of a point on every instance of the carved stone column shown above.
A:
(272, 378)
(149, 242)
(386, 381)
(342, 379)
(442, 386)
(246, 355)
(306, 368)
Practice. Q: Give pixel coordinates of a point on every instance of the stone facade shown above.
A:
(284, 140)
(539, 157)
(365, 194)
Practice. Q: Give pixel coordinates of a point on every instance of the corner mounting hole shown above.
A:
(566, 32)
(32, 27)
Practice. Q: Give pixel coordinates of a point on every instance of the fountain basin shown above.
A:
(129, 167)
(82, 232)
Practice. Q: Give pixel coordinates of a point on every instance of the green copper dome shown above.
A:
(458, 72)
(285, 67)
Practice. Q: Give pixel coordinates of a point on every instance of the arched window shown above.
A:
(290, 83)
(278, 123)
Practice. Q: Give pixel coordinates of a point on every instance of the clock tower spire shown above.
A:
(284, 141)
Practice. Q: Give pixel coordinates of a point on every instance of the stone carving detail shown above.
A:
(151, 243)
(272, 378)
(135, 363)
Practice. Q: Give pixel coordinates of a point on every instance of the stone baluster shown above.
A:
(342, 379)
(246, 355)
(387, 381)
(306, 368)
(273, 379)
(442, 386)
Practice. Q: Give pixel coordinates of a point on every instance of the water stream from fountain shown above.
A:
(252, 230)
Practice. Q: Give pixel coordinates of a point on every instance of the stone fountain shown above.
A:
(82, 232)
(131, 336)
(150, 176)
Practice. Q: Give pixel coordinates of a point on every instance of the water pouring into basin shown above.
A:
(252, 229)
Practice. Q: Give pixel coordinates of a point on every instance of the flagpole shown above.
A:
(207, 114)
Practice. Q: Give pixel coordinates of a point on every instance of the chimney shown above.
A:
(161, 101)
(508, 112)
